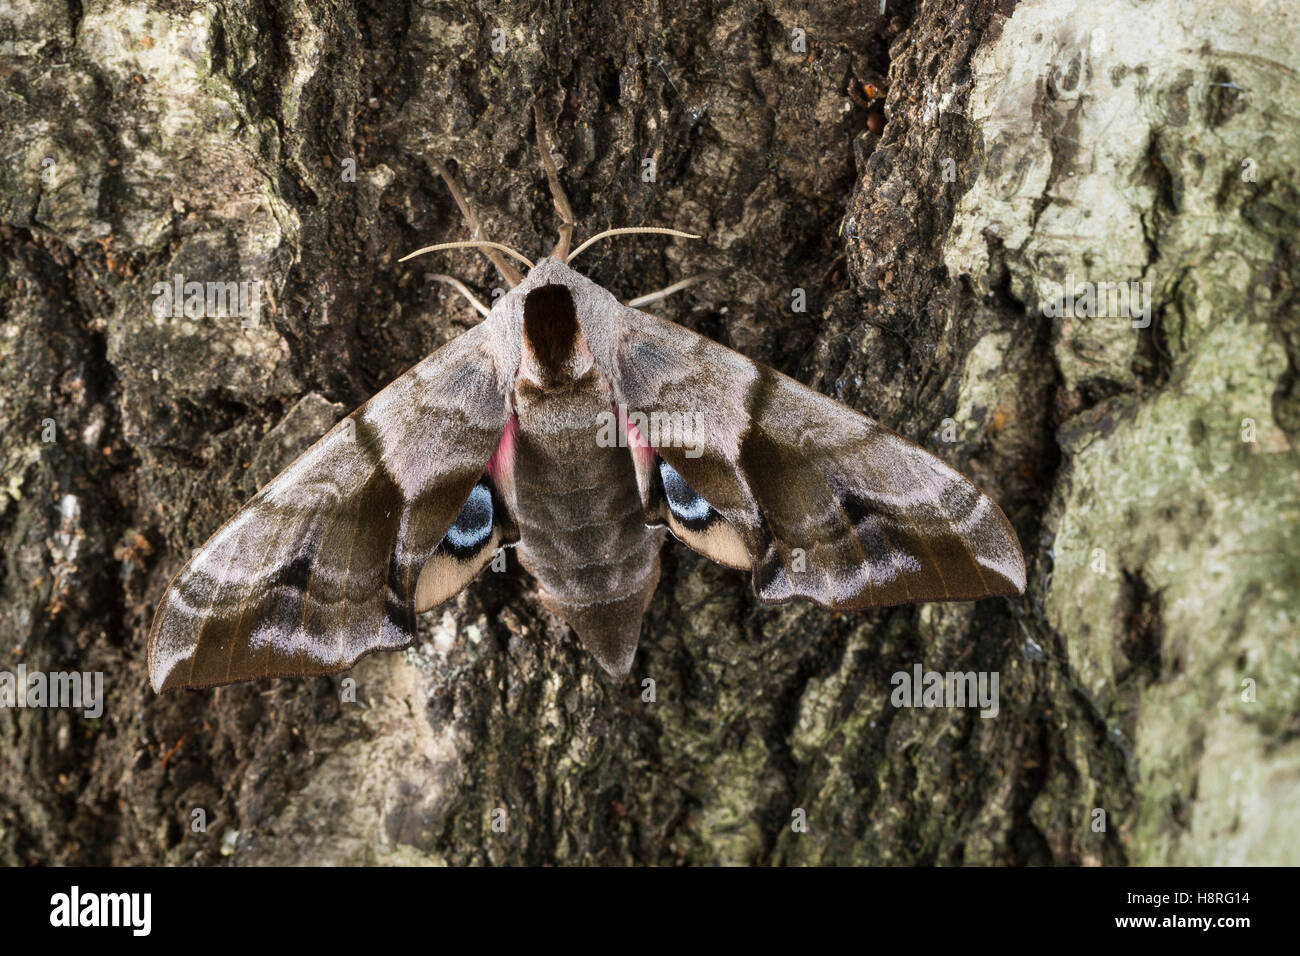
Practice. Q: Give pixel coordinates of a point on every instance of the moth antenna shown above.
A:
(669, 290)
(628, 231)
(462, 289)
(561, 201)
(508, 272)
(468, 244)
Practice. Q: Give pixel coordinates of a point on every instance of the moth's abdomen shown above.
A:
(582, 531)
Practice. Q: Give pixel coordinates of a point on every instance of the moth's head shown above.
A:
(565, 315)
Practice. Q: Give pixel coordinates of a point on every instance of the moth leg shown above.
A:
(669, 290)
(508, 271)
(462, 289)
(561, 201)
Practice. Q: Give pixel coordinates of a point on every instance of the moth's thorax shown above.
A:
(554, 351)
(553, 328)
(568, 408)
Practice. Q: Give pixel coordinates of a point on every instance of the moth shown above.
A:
(530, 431)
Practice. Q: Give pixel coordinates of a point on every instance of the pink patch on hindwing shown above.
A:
(501, 467)
(643, 453)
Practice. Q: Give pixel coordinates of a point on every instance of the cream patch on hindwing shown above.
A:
(480, 528)
(697, 523)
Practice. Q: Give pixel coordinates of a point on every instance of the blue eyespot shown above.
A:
(473, 526)
(683, 500)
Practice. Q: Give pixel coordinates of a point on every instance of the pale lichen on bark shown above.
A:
(1174, 519)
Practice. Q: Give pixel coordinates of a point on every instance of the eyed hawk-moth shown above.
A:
(502, 438)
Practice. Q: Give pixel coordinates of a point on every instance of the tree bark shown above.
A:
(933, 176)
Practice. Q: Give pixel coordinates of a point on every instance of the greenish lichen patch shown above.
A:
(1175, 576)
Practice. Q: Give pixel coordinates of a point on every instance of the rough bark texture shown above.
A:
(1021, 144)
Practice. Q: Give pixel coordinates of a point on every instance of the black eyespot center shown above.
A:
(687, 505)
(473, 525)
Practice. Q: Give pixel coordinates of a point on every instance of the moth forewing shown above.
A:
(830, 505)
(321, 566)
